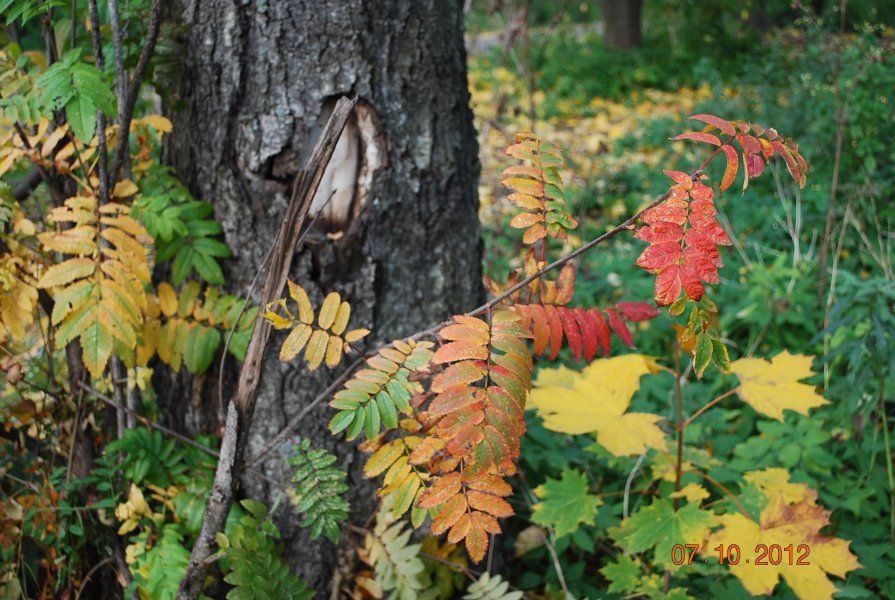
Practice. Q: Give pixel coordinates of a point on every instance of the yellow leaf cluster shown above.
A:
(324, 340)
(772, 387)
(791, 517)
(596, 400)
(98, 293)
(17, 298)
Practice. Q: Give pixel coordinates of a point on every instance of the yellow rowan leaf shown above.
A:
(595, 400)
(356, 334)
(333, 351)
(328, 310)
(277, 320)
(295, 342)
(341, 320)
(789, 520)
(167, 298)
(125, 189)
(66, 272)
(305, 310)
(772, 387)
(157, 122)
(316, 349)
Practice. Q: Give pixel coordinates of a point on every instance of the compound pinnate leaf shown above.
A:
(772, 387)
(564, 503)
(595, 400)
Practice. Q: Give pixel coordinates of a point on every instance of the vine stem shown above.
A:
(708, 406)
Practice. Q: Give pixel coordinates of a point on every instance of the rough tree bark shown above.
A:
(622, 23)
(401, 236)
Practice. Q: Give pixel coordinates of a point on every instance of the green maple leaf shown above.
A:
(660, 526)
(565, 503)
(623, 574)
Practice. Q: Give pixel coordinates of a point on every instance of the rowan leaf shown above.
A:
(730, 171)
(772, 387)
(699, 136)
(565, 503)
(722, 124)
(595, 400)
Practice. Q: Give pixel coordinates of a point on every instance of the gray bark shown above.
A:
(622, 23)
(255, 85)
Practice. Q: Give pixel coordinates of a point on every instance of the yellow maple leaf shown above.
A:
(772, 387)
(693, 492)
(789, 533)
(595, 400)
(776, 480)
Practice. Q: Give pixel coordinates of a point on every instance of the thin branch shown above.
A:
(102, 152)
(120, 73)
(126, 109)
(683, 425)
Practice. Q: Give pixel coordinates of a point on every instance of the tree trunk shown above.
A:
(622, 23)
(398, 236)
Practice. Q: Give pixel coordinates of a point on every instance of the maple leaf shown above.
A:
(791, 517)
(660, 525)
(565, 503)
(595, 400)
(772, 387)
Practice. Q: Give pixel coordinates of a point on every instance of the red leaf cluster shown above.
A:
(684, 236)
(757, 143)
(585, 330)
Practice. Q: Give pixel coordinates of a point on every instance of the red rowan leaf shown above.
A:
(452, 399)
(749, 144)
(681, 178)
(668, 286)
(620, 329)
(702, 192)
(588, 333)
(673, 210)
(603, 334)
(730, 171)
(791, 162)
(555, 324)
(689, 279)
(699, 136)
(660, 232)
(573, 334)
(722, 124)
(660, 256)
(637, 311)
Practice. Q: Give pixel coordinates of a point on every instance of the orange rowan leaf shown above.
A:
(456, 351)
(476, 543)
(534, 233)
(565, 284)
(489, 503)
(526, 186)
(523, 220)
(449, 514)
(730, 171)
(464, 372)
(460, 529)
(443, 489)
(492, 484)
(722, 124)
